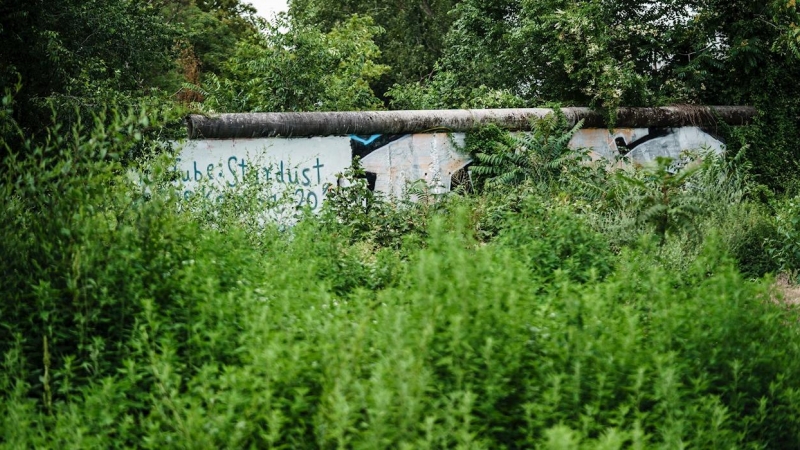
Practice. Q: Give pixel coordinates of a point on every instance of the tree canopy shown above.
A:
(632, 52)
(75, 49)
(414, 35)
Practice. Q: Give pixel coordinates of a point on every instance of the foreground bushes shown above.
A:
(131, 321)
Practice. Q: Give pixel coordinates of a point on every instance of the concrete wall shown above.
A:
(307, 166)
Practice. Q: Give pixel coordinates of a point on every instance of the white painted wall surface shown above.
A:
(306, 167)
(303, 167)
(430, 157)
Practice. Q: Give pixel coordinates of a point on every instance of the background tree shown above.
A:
(752, 57)
(78, 52)
(621, 51)
(293, 67)
(76, 55)
(208, 33)
(628, 52)
(414, 37)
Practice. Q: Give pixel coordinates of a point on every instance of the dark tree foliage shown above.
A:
(630, 52)
(208, 31)
(80, 51)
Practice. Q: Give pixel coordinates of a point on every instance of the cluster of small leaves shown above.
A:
(364, 215)
(414, 32)
(73, 222)
(784, 247)
(660, 198)
(443, 91)
(552, 242)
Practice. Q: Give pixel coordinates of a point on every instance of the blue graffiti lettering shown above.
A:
(366, 141)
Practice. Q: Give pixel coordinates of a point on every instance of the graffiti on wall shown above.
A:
(644, 145)
(394, 161)
(301, 169)
(307, 167)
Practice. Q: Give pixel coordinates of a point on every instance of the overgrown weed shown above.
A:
(518, 318)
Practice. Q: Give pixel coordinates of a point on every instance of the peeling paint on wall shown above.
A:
(643, 145)
(308, 166)
(402, 160)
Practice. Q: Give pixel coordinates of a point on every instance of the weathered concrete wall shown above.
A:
(642, 145)
(302, 168)
(307, 166)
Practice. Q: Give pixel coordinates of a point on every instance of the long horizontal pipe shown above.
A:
(255, 125)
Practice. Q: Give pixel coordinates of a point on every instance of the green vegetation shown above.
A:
(547, 313)
(301, 69)
(414, 37)
(554, 302)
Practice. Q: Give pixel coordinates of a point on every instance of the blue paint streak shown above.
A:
(363, 141)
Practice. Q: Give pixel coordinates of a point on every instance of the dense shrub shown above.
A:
(134, 320)
(547, 239)
(784, 245)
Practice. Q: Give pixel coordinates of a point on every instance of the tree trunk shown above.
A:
(293, 124)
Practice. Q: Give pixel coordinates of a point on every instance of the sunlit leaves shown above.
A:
(289, 67)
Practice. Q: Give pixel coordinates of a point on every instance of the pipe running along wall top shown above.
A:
(297, 124)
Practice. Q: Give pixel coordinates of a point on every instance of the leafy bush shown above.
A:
(73, 223)
(131, 320)
(660, 197)
(748, 233)
(552, 239)
(465, 348)
(509, 159)
(364, 215)
(784, 247)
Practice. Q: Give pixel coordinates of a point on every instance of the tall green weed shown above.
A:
(132, 320)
